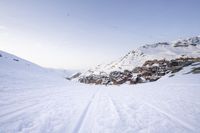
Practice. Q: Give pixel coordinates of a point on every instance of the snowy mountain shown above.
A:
(166, 50)
(34, 99)
(148, 63)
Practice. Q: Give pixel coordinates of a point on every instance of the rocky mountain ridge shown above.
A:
(136, 66)
(150, 71)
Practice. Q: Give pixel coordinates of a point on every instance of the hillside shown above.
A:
(15, 71)
(162, 56)
(163, 50)
(34, 100)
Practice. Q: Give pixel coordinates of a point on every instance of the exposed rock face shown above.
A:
(95, 79)
(146, 63)
(194, 41)
(189, 47)
(195, 70)
(150, 71)
(15, 59)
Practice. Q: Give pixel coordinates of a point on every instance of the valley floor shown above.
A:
(168, 105)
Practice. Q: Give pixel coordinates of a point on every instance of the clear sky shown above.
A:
(75, 34)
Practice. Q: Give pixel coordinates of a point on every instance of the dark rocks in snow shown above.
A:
(193, 44)
(118, 77)
(76, 75)
(174, 63)
(150, 71)
(114, 78)
(0, 55)
(194, 41)
(94, 79)
(196, 70)
(180, 44)
(156, 45)
(15, 59)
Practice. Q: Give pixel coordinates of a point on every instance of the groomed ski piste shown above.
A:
(36, 100)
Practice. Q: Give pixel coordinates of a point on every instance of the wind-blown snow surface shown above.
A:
(38, 101)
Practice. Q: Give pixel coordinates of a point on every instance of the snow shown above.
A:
(36, 100)
(22, 71)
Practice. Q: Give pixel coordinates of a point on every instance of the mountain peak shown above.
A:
(189, 47)
(193, 41)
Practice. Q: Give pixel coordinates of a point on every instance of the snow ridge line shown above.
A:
(84, 114)
(181, 122)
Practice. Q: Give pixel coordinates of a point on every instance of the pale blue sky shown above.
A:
(83, 33)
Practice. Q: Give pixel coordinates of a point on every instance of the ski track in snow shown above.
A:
(68, 107)
(84, 114)
(87, 109)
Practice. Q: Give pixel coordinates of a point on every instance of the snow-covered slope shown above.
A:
(182, 48)
(33, 102)
(11, 63)
(14, 70)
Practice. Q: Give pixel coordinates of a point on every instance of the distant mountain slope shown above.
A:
(187, 50)
(15, 70)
